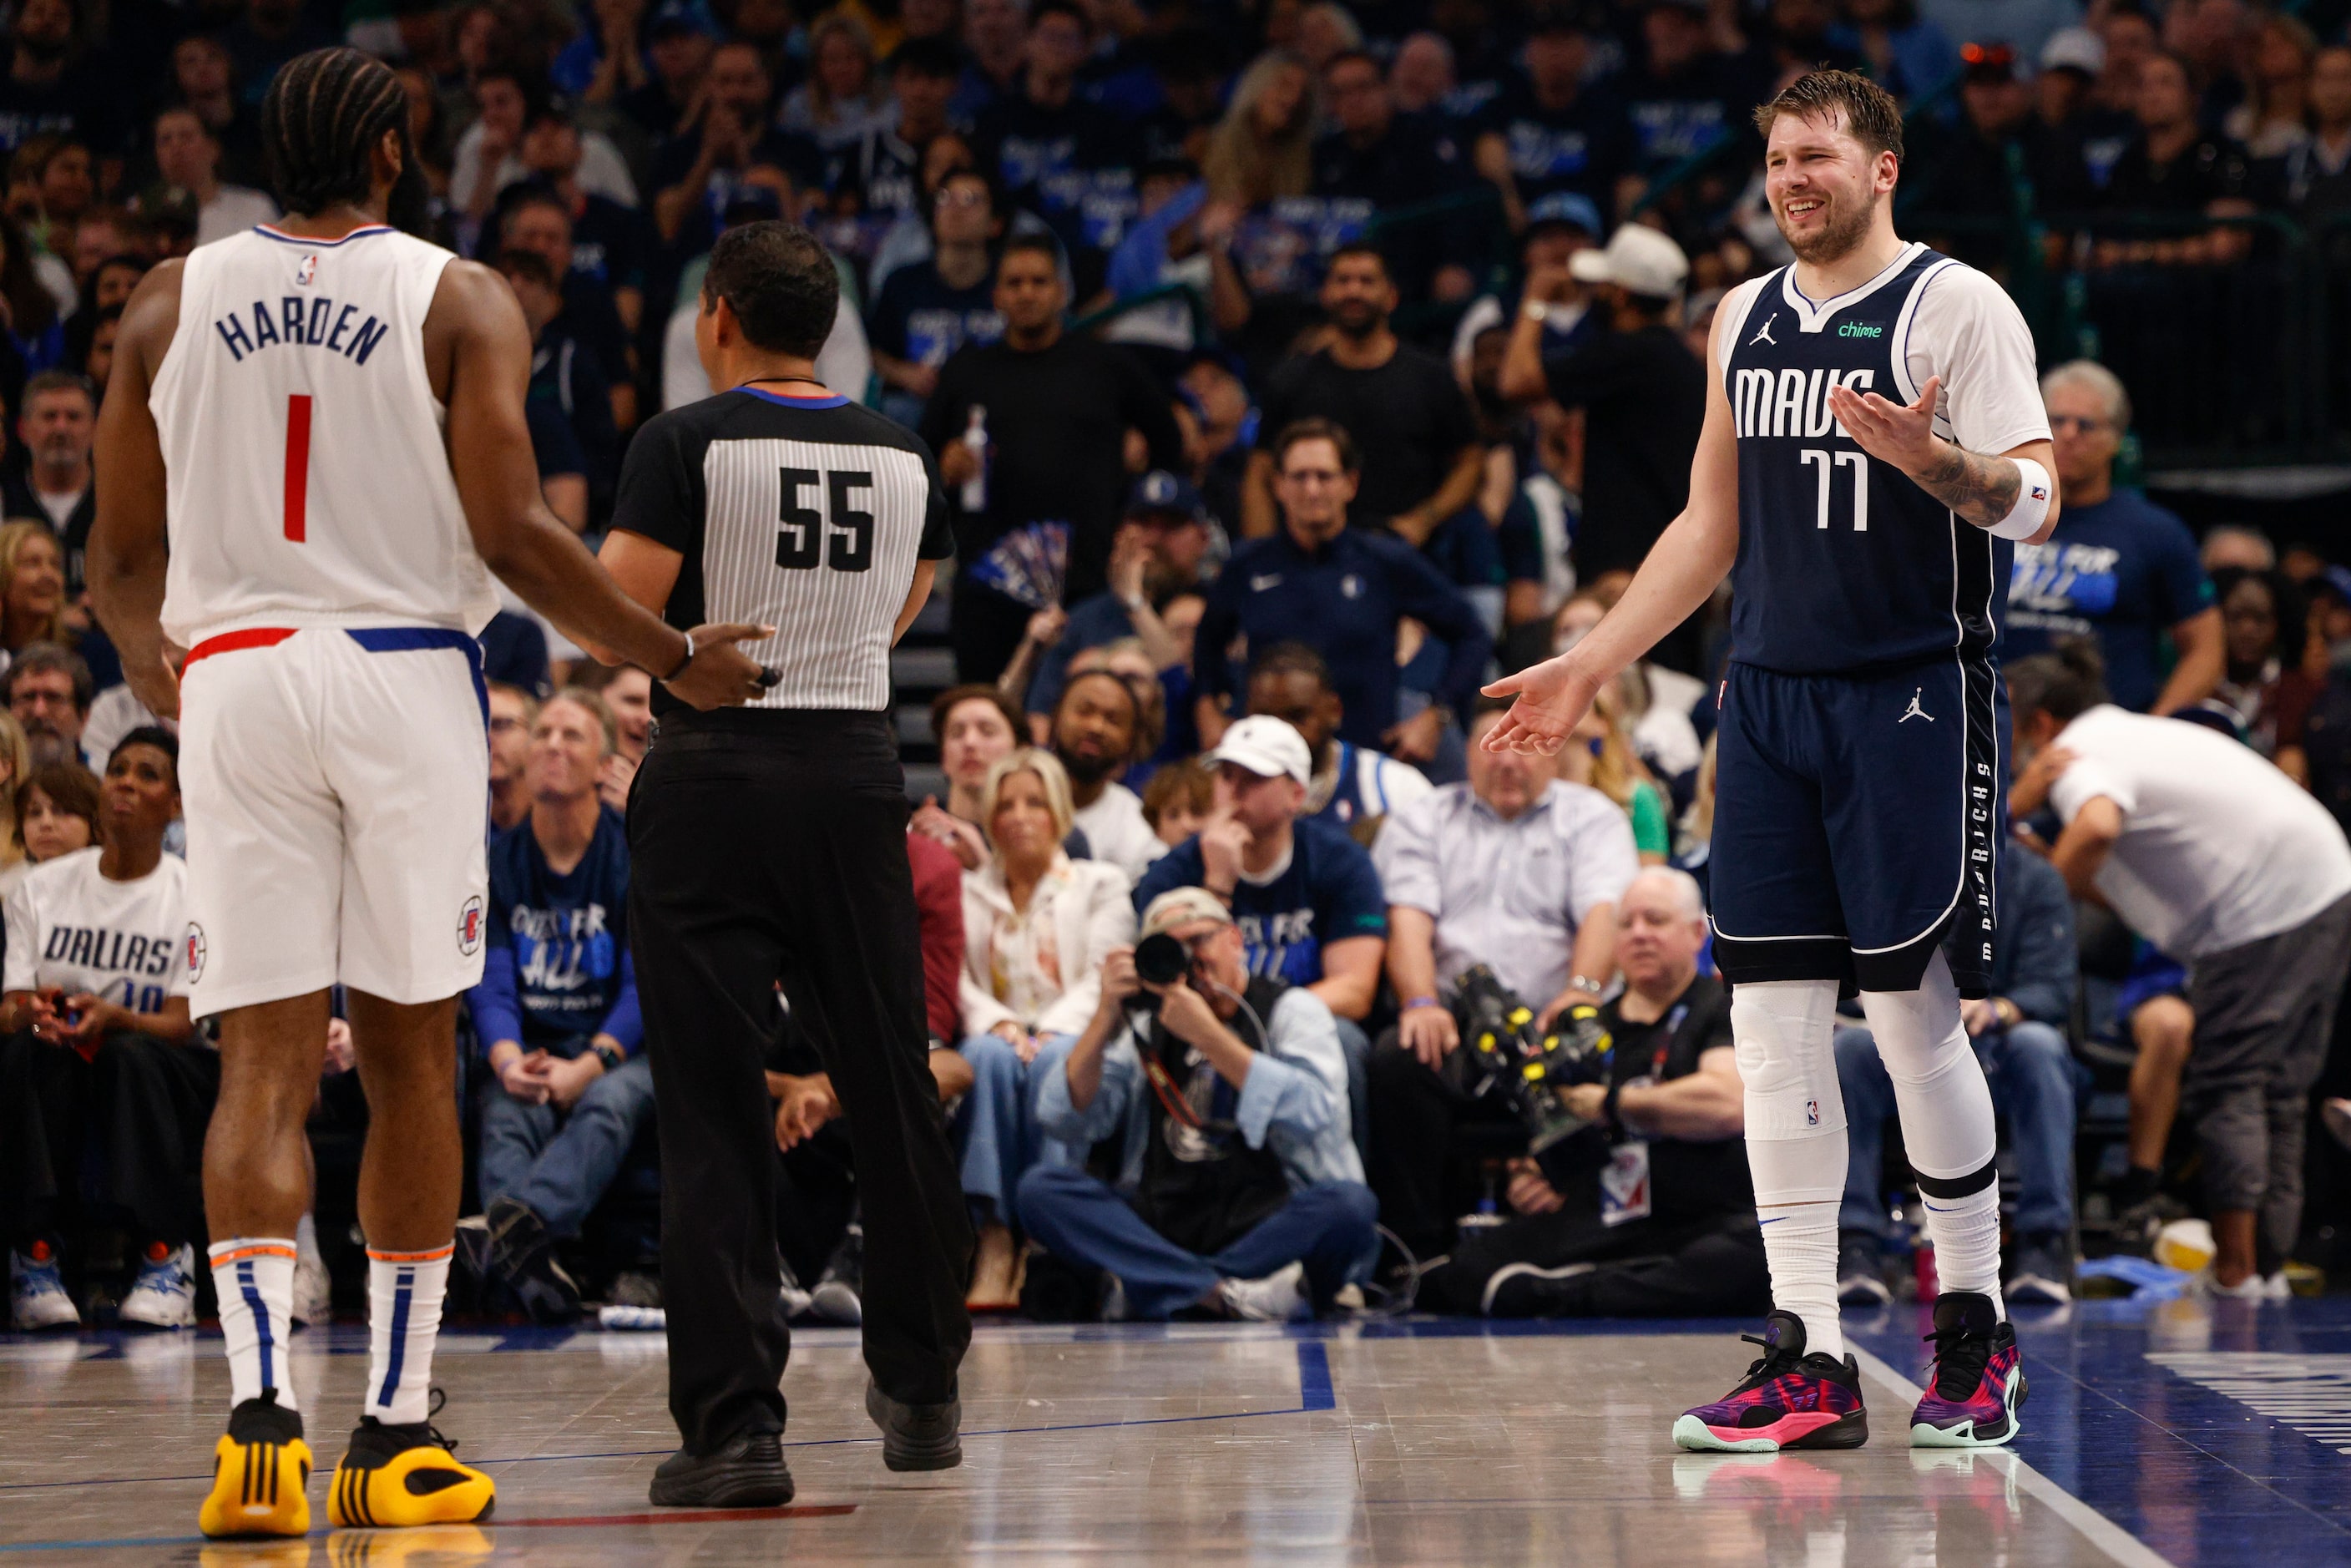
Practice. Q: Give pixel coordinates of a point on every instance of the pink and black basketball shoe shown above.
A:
(1787, 1400)
(1978, 1381)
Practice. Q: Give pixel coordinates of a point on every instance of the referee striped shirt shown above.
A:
(807, 514)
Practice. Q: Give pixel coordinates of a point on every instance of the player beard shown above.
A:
(1837, 238)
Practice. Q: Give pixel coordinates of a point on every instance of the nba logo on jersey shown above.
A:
(307, 272)
(1811, 1112)
(469, 926)
(195, 952)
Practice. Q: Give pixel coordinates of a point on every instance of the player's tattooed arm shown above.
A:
(1981, 489)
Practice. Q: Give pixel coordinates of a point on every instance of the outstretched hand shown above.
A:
(1898, 434)
(1552, 699)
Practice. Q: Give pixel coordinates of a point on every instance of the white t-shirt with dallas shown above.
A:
(2218, 848)
(127, 942)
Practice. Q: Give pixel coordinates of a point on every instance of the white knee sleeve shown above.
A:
(1785, 1032)
(1946, 1105)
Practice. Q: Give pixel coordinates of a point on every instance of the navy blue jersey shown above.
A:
(1845, 564)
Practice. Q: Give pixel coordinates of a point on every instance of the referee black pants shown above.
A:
(770, 847)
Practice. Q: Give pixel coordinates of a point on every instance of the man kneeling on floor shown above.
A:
(1666, 1226)
(1240, 1190)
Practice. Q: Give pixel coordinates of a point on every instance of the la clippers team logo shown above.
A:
(307, 272)
(195, 952)
(469, 926)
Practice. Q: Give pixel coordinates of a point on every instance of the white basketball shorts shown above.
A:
(337, 788)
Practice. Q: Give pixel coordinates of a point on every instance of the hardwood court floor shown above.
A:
(1418, 1442)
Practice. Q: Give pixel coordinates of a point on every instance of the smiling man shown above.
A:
(1875, 446)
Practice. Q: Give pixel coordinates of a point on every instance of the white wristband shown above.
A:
(2031, 509)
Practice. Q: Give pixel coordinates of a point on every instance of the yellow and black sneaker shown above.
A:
(405, 1475)
(260, 1467)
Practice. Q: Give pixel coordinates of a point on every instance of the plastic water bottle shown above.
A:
(975, 441)
(632, 1320)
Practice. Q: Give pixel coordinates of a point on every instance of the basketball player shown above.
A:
(327, 415)
(1874, 445)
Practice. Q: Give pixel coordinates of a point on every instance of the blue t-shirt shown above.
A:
(1328, 893)
(2125, 569)
(557, 964)
(920, 318)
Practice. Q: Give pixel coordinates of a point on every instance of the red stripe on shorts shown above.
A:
(230, 641)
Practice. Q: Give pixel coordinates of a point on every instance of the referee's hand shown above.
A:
(720, 674)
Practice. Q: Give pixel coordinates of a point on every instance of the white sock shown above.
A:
(1785, 1034)
(404, 1292)
(1946, 1126)
(306, 1237)
(254, 1278)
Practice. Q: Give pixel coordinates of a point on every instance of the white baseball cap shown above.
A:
(1636, 258)
(2074, 50)
(1268, 747)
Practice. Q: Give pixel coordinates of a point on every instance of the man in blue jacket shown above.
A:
(1341, 591)
(557, 1015)
(2019, 1031)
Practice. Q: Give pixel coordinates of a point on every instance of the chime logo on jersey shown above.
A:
(195, 952)
(307, 272)
(469, 926)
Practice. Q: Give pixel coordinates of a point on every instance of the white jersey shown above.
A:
(308, 478)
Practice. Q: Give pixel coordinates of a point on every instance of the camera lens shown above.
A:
(1160, 959)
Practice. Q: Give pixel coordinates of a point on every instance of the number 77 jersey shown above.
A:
(305, 462)
(1843, 562)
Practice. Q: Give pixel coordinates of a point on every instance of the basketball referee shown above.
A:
(769, 845)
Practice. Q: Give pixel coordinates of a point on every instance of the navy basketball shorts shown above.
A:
(1855, 824)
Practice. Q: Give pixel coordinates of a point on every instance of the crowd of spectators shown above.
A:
(1291, 367)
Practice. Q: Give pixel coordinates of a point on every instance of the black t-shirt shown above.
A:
(1409, 417)
(1057, 424)
(796, 156)
(77, 106)
(1025, 141)
(1678, 116)
(1643, 397)
(1582, 148)
(609, 243)
(1687, 1180)
(804, 513)
(2212, 169)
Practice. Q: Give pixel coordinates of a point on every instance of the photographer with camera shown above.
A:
(1657, 1217)
(1516, 870)
(1240, 1191)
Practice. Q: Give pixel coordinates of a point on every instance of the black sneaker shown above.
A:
(2043, 1275)
(746, 1471)
(2136, 1228)
(917, 1437)
(522, 1258)
(635, 1288)
(1861, 1270)
(839, 1293)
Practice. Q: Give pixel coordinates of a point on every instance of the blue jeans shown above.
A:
(2031, 1076)
(1357, 1046)
(558, 1162)
(1328, 1228)
(996, 1128)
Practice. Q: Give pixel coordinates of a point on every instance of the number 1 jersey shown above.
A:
(306, 463)
(1845, 564)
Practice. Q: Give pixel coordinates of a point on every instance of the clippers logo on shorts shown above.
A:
(195, 952)
(469, 926)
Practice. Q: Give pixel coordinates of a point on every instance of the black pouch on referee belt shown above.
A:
(1531, 1073)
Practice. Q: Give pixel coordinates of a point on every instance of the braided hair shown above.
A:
(324, 114)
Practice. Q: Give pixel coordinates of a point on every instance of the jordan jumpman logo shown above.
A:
(1914, 710)
(1763, 333)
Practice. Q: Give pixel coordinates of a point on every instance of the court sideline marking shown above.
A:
(2100, 1532)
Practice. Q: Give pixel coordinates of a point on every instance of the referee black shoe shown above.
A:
(746, 1471)
(917, 1437)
